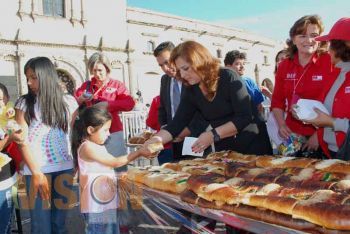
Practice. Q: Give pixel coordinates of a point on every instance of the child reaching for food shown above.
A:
(98, 190)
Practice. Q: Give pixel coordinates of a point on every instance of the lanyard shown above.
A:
(104, 86)
(300, 78)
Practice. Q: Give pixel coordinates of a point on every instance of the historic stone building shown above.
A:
(66, 31)
(146, 29)
(69, 31)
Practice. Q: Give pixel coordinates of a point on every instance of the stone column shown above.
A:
(257, 71)
(129, 62)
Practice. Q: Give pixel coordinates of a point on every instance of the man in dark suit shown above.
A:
(171, 90)
(167, 109)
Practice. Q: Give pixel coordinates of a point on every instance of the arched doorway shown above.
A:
(67, 82)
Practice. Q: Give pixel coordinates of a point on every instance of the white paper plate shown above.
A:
(305, 109)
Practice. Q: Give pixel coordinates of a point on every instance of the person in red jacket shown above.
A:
(305, 73)
(102, 88)
(165, 155)
(333, 127)
(8, 174)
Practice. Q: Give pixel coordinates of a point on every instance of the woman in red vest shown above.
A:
(333, 127)
(303, 74)
(103, 88)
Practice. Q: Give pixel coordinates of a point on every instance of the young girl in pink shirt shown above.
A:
(98, 183)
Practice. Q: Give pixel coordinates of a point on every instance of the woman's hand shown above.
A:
(322, 119)
(312, 143)
(154, 139)
(84, 98)
(266, 92)
(293, 112)
(186, 132)
(203, 141)
(145, 152)
(284, 131)
(41, 185)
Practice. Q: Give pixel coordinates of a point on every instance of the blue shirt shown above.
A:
(253, 90)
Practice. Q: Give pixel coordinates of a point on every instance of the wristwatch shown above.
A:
(216, 135)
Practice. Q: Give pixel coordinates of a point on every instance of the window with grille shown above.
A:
(53, 8)
(66, 82)
(150, 46)
(266, 60)
(218, 53)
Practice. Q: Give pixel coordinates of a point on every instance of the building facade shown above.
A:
(69, 31)
(66, 31)
(146, 29)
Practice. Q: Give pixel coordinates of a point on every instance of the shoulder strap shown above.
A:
(88, 84)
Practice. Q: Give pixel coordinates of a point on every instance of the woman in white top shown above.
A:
(45, 114)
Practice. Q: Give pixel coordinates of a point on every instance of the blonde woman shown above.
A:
(103, 88)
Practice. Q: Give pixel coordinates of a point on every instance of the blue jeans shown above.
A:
(45, 219)
(101, 223)
(6, 210)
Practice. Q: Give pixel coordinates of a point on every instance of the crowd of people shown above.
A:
(60, 135)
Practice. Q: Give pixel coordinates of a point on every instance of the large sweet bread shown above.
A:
(301, 193)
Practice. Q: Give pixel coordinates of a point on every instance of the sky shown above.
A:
(269, 18)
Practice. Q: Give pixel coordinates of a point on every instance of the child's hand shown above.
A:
(146, 152)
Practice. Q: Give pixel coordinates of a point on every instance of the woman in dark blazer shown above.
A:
(221, 97)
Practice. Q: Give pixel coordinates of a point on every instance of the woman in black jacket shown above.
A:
(222, 99)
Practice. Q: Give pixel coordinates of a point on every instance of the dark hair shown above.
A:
(164, 46)
(300, 27)
(283, 51)
(268, 84)
(4, 91)
(53, 108)
(341, 50)
(94, 116)
(232, 55)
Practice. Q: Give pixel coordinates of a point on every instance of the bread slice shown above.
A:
(155, 147)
